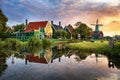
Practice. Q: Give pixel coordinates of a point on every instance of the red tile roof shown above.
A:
(35, 26)
(97, 32)
(32, 58)
(70, 28)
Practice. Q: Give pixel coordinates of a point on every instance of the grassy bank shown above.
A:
(96, 47)
(31, 44)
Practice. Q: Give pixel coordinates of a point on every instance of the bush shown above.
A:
(11, 43)
(34, 44)
(1, 44)
(46, 43)
(34, 41)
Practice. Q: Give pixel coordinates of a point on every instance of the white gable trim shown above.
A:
(68, 29)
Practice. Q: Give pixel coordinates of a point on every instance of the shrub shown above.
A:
(34, 44)
(1, 44)
(11, 43)
(34, 41)
(46, 43)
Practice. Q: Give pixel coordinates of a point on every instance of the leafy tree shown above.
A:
(62, 33)
(3, 28)
(19, 27)
(82, 29)
(89, 33)
(3, 20)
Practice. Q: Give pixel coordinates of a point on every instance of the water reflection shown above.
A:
(114, 61)
(58, 63)
(3, 64)
(58, 52)
(48, 55)
(110, 64)
(44, 56)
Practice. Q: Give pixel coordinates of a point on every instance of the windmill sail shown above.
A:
(97, 25)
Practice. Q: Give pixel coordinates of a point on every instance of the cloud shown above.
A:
(66, 11)
(57, 9)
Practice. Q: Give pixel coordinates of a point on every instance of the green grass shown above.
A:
(96, 47)
(83, 46)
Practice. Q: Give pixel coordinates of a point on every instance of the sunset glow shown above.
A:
(66, 11)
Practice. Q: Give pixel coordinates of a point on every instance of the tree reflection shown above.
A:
(3, 64)
(82, 55)
(58, 52)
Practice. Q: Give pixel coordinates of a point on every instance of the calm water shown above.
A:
(54, 64)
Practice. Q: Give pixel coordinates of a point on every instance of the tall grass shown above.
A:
(116, 49)
(96, 47)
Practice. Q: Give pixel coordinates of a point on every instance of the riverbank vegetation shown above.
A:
(30, 44)
(82, 46)
(95, 47)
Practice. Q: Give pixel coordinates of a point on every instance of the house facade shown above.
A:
(70, 30)
(55, 28)
(40, 29)
(97, 35)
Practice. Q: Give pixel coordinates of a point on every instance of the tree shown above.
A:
(3, 28)
(82, 29)
(3, 20)
(19, 27)
(62, 33)
(89, 33)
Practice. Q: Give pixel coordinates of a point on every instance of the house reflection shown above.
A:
(70, 53)
(46, 56)
(36, 59)
(43, 57)
(57, 53)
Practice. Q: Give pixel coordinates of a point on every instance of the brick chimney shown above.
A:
(59, 23)
(26, 22)
(51, 22)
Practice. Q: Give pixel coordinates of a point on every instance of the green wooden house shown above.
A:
(55, 29)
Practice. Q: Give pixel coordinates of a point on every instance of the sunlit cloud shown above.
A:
(66, 11)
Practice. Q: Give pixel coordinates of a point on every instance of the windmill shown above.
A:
(97, 25)
(97, 34)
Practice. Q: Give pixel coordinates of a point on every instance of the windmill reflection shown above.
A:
(13, 61)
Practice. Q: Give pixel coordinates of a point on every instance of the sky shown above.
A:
(66, 11)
